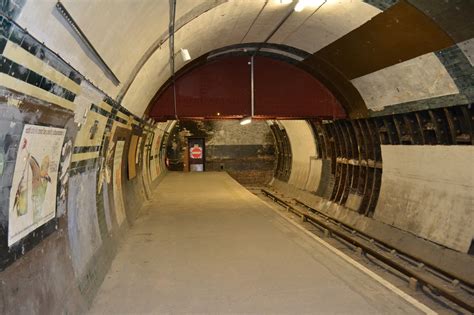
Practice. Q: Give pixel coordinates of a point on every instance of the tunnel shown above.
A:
(236, 157)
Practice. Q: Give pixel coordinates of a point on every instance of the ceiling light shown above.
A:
(285, 1)
(246, 120)
(300, 6)
(185, 54)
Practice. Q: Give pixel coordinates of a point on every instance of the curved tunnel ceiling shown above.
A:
(376, 55)
(220, 88)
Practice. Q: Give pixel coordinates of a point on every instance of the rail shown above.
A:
(441, 284)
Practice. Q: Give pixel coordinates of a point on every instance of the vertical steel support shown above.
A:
(171, 41)
(252, 87)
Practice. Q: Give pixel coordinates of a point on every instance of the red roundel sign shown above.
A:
(196, 152)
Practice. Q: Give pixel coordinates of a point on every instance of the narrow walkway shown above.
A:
(207, 245)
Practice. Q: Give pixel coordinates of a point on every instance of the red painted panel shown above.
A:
(283, 90)
(223, 86)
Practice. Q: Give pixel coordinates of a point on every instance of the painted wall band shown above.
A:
(20, 37)
(400, 33)
(19, 55)
(29, 89)
(24, 74)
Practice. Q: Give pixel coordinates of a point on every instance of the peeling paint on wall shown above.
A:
(65, 163)
(12, 8)
(83, 229)
(83, 209)
(89, 95)
(420, 78)
(108, 218)
(467, 48)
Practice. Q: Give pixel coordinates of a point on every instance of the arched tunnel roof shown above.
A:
(376, 53)
(363, 130)
(220, 88)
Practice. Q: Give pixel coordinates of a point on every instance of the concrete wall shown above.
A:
(425, 190)
(425, 206)
(305, 168)
(428, 191)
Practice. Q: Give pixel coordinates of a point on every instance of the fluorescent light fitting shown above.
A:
(285, 1)
(246, 121)
(300, 6)
(185, 54)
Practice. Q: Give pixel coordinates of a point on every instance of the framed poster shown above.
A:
(154, 152)
(139, 147)
(117, 185)
(132, 171)
(33, 192)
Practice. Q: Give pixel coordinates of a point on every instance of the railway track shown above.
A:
(418, 273)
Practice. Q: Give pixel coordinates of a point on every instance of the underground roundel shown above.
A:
(196, 152)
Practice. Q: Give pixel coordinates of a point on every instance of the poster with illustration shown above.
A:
(33, 192)
(117, 187)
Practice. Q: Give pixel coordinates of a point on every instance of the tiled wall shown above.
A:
(39, 88)
(457, 87)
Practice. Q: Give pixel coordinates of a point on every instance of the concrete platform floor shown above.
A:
(207, 245)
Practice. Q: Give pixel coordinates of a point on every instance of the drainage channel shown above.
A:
(419, 273)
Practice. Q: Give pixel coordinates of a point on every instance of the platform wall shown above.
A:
(59, 265)
(428, 191)
(420, 182)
